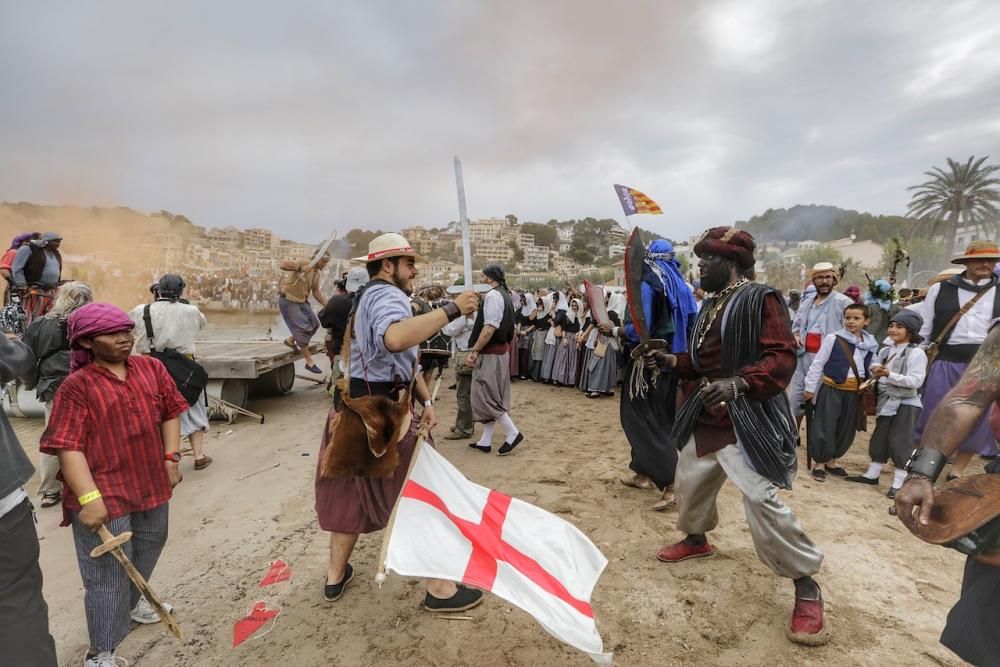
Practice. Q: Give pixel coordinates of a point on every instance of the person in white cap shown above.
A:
(820, 313)
(383, 361)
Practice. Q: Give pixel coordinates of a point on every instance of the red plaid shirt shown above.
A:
(116, 424)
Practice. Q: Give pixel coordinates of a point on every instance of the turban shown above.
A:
(495, 273)
(728, 242)
(94, 319)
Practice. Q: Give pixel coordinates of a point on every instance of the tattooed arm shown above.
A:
(950, 423)
(962, 407)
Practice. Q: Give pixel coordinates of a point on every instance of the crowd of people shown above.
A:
(714, 381)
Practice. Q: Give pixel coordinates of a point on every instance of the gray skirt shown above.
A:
(195, 418)
(602, 372)
(538, 344)
(549, 360)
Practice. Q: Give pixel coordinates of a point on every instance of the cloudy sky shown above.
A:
(302, 116)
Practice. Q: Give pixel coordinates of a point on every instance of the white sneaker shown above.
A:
(104, 659)
(145, 614)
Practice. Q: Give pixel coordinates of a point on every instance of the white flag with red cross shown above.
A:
(446, 527)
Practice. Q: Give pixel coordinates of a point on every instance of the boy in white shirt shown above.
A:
(900, 369)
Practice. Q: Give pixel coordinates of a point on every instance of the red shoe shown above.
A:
(675, 553)
(808, 624)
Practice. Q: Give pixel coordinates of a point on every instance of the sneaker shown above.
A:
(145, 614)
(507, 447)
(463, 599)
(104, 659)
(314, 369)
(861, 479)
(333, 592)
(457, 435)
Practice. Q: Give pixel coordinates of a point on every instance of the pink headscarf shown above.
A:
(94, 319)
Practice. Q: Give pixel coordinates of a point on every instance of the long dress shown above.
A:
(542, 325)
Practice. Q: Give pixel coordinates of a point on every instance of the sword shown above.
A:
(113, 544)
(635, 256)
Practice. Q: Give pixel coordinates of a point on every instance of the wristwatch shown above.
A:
(172, 456)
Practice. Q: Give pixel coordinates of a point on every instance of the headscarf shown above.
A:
(570, 315)
(660, 259)
(495, 273)
(516, 300)
(529, 304)
(94, 319)
(853, 292)
(563, 303)
(617, 303)
(880, 293)
(21, 239)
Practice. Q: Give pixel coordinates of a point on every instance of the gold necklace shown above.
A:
(718, 302)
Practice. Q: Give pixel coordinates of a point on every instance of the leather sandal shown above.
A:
(202, 463)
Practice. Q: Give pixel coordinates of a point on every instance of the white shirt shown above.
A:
(972, 327)
(175, 325)
(815, 374)
(459, 330)
(916, 371)
(493, 309)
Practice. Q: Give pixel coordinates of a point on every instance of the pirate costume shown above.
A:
(750, 440)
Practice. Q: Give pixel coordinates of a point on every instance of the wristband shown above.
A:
(428, 403)
(926, 462)
(451, 310)
(89, 497)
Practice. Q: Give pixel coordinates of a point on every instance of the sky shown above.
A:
(304, 117)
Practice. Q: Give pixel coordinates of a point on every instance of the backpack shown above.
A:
(189, 376)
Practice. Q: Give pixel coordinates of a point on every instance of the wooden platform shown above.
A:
(246, 359)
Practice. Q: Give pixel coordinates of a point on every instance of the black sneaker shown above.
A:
(484, 450)
(333, 592)
(463, 599)
(508, 447)
(861, 479)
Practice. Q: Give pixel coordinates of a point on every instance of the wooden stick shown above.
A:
(306, 377)
(251, 474)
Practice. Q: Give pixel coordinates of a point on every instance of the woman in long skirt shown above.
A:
(602, 375)
(543, 322)
(564, 366)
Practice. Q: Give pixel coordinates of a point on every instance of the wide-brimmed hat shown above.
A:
(944, 275)
(823, 267)
(387, 246)
(979, 250)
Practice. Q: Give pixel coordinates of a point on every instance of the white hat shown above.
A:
(356, 279)
(389, 245)
(820, 267)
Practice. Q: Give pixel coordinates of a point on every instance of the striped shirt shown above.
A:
(116, 424)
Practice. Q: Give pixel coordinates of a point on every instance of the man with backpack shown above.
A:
(169, 327)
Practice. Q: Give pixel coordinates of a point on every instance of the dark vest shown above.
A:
(945, 307)
(505, 333)
(36, 264)
(838, 367)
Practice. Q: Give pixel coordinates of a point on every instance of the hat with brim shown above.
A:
(388, 246)
(944, 275)
(979, 250)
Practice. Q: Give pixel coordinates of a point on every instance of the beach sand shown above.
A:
(887, 594)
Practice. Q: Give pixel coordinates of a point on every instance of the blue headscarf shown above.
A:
(661, 260)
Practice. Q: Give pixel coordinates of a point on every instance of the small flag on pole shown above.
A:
(446, 527)
(634, 202)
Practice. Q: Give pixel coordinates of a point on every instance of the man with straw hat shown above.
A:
(820, 313)
(383, 337)
(957, 314)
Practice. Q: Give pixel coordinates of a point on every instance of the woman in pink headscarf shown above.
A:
(853, 293)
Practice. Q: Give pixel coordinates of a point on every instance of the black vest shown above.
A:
(505, 333)
(36, 264)
(945, 307)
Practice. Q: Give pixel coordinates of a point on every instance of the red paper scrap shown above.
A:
(254, 621)
(279, 572)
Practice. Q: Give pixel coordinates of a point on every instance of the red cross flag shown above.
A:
(446, 527)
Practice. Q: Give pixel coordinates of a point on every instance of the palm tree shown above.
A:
(966, 195)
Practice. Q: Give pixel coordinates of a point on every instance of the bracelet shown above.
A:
(428, 403)
(89, 497)
(917, 475)
(926, 462)
(451, 310)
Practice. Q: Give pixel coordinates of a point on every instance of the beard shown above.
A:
(716, 277)
(405, 284)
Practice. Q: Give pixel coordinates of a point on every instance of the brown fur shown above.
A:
(364, 425)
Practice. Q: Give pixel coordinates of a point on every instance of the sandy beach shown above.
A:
(887, 594)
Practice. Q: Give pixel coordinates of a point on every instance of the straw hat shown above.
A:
(945, 275)
(387, 246)
(979, 250)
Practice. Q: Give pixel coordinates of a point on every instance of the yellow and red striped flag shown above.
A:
(634, 202)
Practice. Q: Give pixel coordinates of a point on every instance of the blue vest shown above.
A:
(838, 367)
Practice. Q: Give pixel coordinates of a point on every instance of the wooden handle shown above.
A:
(109, 542)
